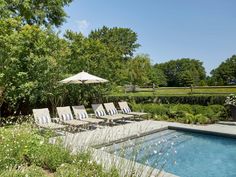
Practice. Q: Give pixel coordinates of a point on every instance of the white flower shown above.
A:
(231, 100)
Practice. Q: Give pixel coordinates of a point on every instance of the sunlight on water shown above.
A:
(181, 153)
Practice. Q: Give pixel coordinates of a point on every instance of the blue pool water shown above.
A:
(182, 153)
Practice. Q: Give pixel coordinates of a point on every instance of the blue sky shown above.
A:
(167, 29)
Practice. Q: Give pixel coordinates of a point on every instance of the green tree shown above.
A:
(46, 12)
(186, 79)
(30, 65)
(119, 40)
(183, 72)
(96, 58)
(225, 72)
(139, 68)
(159, 77)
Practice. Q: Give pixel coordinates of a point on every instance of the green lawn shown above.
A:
(168, 91)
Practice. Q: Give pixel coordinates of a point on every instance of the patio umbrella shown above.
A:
(83, 78)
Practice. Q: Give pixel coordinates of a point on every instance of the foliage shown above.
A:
(31, 171)
(24, 151)
(30, 58)
(33, 58)
(184, 113)
(119, 40)
(158, 77)
(45, 12)
(139, 70)
(231, 100)
(10, 120)
(48, 156)
(86, 170)
(225, 73)
(202, 119)
(92, 56)
(182, 72)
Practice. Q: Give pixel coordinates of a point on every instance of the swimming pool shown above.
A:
(182, 153)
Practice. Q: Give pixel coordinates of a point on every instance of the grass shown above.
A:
(175, 91)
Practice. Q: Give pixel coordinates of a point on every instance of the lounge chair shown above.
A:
(43, 119)
(81, 114)
(101, 113)
(126, 110)
(111, 109)
(66, 117)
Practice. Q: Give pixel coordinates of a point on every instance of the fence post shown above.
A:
(191, 87)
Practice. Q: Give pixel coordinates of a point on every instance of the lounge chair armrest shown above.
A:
(55, 119)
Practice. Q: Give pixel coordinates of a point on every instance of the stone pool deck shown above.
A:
(95, 139)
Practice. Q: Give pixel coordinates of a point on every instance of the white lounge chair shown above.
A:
(66, 117)
(101, 113)
(43, 119)
(111, 109)
(81, 114)
(126, 110)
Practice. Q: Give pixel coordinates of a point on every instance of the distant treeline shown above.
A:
(186, 72)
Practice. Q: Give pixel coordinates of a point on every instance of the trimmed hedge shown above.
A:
(188, 99)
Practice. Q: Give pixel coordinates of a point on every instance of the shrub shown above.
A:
(189, 118)
(184, 112)
(91, 169)
(15, 144)
(231, 100)
(220, 112)
(201, 119)
(10, 120)
(31, 171)
(183, 107)
(151, 108)
(49, 156)
(22, 146)
(160, 117)
(198, 109)
(67, 170)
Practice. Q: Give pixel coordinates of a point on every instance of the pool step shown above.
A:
(171, 140)
(158, 143)
(162, 136)
(154, 147)
(160, 152)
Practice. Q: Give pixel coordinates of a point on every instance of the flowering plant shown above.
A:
(231, 100)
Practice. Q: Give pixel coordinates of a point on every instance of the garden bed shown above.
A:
(184, 113)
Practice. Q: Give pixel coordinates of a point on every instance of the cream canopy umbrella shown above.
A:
(83, 78)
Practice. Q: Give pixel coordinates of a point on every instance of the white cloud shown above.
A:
(83, 26)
